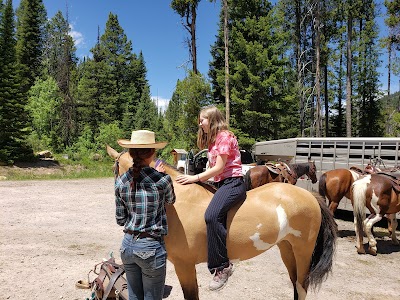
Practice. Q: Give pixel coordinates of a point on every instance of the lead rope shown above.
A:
(116, 168)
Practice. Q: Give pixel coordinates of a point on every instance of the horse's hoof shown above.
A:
(372, 251)
(360, 250)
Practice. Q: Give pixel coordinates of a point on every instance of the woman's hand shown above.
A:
(185, 179)
(160, 166)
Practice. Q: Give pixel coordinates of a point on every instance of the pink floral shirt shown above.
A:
(226, 143)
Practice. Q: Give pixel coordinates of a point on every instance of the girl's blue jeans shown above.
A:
(145, 262)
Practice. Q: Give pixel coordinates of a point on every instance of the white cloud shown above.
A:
(76, 36)
(161, 103)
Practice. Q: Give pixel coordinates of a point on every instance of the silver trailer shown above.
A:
(331, 153)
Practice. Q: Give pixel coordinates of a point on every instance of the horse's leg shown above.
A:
(393, 221)
(368, 223)
(290, 263)
(389, 221)
(359, 238)
(186, 273)
(333, 205)
(334, 196)
(297, 261)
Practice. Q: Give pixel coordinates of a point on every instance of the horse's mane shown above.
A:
(300, 168)
(208, 186)
(170, 166)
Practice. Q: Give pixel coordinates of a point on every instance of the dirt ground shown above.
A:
(53, 232)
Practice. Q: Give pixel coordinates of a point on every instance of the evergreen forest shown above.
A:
(281, 69)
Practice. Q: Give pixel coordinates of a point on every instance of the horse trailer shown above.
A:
(331, 153)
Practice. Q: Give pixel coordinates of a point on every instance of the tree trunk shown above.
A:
(193, 38)
(389, 62)
(326, 100)
(226, 44)
(299, 71)
(348, 75)
(317, 74)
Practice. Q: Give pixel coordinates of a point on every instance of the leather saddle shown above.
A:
(274, 168)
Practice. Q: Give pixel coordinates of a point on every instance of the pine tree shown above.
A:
(30, 34)
(173, 114)
(13, 116)
(93, 88)
(113, 82)
(117, 53)
(368, 114)
(1, 10)
(259, 94)
(60, 61)
(134, 91)
(392, 41)
(146, 116)
(190, 95)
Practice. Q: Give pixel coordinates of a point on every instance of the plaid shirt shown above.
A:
(143, 208)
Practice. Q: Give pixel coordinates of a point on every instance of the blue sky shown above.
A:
(152, 27)
(156, 30)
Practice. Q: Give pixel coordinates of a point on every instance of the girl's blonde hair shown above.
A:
(217, 123)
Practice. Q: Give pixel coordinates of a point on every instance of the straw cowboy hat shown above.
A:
(142, 139)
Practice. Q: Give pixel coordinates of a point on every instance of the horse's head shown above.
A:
(312, 171)
(123, 158)
(125, 162)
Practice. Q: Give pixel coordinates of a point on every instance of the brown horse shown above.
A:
(380, 194)
(307, 168)
(275, 214)
(336, 184)
(258, 175)
(262, 174)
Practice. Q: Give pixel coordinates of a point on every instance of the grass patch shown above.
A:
(58, 168)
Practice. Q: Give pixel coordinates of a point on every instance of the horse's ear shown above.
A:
(111, 151)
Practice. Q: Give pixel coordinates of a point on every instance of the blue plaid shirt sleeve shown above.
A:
(121, 213)
(169, 191)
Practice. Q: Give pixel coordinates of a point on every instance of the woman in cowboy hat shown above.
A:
(140, 196)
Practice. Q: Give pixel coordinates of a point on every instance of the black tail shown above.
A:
(247, 180)
(322, 185)
(325, 247)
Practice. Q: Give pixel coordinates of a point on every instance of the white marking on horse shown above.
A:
(284, 230)
(301, 291)
(374, 202)
(355, 175)
(366, 179)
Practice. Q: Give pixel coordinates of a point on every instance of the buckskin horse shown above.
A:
(380, 194)
(275, 214)
(262, 174)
